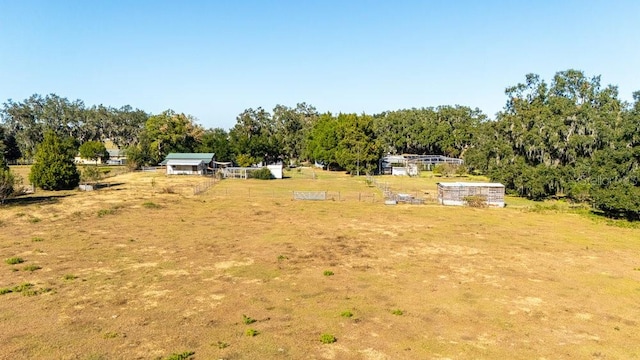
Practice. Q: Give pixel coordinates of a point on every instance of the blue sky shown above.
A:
(213, 59)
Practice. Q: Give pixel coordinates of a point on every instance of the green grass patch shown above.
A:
(27, 289)
(110, 335)
(328, 273)
(34, 292)
(14, 260)
(181, 356)
(397, 312)
(221, 345)
(346, 314)
(31, 267)
(5, 291)
(105, 212)
(34, 219)
(37, 239)
(151, 205)
(22, 287)
(69, 277)
(251, 332)
(247, 320)
(327, 339)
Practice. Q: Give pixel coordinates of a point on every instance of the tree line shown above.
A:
(570, 138)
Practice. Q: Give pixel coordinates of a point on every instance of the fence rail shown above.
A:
(286, 194)
(392, 197)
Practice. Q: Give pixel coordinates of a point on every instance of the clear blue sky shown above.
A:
(213, 59)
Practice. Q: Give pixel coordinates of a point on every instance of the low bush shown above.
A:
(261, 174)
(476, 201)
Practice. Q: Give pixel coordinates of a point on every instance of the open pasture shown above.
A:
(144, 269)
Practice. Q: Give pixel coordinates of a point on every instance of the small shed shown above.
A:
(276, 170)
(409, 170)
(457, 193)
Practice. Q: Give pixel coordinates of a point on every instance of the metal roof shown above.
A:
(185, 162)
(470, 184)
(116, 152)
(206, 157)
(192, 156)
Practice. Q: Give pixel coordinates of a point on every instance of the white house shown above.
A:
(188, 163)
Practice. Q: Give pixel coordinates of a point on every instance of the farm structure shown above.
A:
(243, 172)
(409, 170)
(189, 163)
(393, 164)
(117, 157)
(458, 193)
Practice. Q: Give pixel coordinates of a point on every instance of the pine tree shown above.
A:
(54, 168)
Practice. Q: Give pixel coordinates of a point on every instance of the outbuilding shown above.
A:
(188, 163)
(459, 193)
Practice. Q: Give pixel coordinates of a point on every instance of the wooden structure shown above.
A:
(457, 193)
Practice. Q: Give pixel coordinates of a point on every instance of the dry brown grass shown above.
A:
(151, 281)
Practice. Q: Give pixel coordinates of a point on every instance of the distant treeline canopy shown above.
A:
(570, 138)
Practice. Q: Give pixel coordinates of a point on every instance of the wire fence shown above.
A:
(286, 194)
(204, 186)
(392, 197)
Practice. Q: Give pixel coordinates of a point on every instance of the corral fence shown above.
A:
(287, 194)
(335, 196)
(391, 197)
(204, 186)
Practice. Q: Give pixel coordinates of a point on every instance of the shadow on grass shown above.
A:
(34, 199)
(107, 185)
(624, 220)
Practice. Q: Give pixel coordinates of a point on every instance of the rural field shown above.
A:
(146, 269)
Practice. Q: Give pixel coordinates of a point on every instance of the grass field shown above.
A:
(144, 269)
